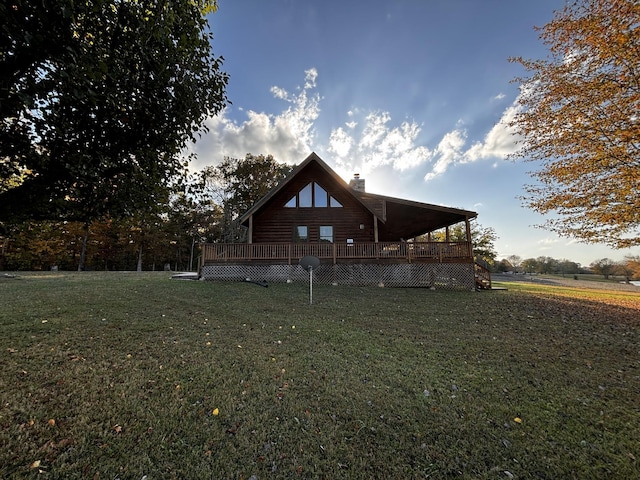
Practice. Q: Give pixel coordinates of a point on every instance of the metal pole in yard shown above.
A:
(310, 285)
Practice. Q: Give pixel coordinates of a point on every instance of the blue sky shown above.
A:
(411, 94)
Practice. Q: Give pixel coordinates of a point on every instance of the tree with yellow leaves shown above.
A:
(580, 118)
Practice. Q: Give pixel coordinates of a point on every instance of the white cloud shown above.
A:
(449, 151)
(279, 93)
(340, 143)
(377, 144)
(288, 136)
(499, 142)
(366, 142)
(548, 243)
(310, 78)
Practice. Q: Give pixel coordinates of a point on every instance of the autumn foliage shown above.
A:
(579, 119)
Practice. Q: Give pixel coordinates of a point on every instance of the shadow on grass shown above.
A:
(120, 375)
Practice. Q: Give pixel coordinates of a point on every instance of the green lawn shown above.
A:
(126, 375)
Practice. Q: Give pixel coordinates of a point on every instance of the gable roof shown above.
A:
(399, 218)
(311, 158)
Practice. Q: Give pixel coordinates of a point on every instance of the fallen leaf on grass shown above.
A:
(52, 422)
(117, 428)
(35, 464)
(517, 420)
(215, 412)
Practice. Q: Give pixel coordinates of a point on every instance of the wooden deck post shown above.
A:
(375, 229)
(375, 236)
(469, 244)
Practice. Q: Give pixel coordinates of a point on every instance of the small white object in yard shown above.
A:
(426, 392)
(508, 474)
(185, 276)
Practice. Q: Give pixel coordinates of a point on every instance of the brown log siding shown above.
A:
(276, 223)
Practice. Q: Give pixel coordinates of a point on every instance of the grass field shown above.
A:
(131, 376)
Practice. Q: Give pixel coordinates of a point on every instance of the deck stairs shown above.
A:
(482, 274)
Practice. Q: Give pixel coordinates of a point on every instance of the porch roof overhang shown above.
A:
(408, 219)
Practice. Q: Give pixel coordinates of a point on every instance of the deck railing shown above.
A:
(293, 252)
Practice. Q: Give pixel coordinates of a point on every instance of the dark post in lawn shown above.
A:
(309, 263)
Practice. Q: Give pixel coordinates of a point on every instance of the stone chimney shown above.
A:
(357, 183)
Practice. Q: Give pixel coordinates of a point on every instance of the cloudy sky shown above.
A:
(411, 94)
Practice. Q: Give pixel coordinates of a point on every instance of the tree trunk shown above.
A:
(139, 269)
(193, 243)
(83, 250)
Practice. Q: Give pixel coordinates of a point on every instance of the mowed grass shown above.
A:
(127, 375)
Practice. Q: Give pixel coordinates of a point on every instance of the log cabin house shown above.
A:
(360, 238)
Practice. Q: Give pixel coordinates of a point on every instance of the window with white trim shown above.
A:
(300, 233)
(326, 233)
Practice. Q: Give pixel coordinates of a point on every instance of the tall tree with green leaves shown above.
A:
(482, 239)
(98, 99)
(579, 118)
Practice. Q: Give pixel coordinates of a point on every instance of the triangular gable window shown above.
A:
(312, 195)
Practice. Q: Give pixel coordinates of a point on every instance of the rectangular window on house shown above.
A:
(301, 234)
(326, 233)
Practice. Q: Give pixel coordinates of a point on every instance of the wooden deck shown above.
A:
(380, 252)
